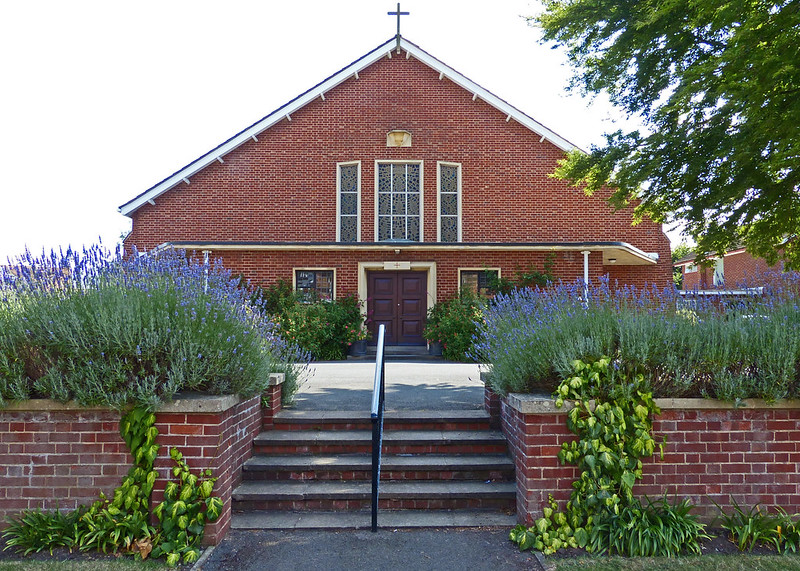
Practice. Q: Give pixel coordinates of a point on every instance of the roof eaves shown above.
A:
(554, 246)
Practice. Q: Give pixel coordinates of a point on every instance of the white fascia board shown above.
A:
(348, 72)
(636, 257)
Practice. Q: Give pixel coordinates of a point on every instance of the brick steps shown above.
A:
(356, 495)
(394, 442)
(439, 468)
(393, 420)
(393, 467)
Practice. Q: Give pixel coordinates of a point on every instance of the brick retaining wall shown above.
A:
(56, 455)
(713, 451)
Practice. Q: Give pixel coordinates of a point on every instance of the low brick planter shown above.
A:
(57, 455)
(714, 451)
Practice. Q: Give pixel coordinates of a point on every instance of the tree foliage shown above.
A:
(717, 87)
(678, 253)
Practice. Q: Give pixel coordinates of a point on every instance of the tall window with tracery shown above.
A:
(449, 202)
(399, 202)
(348, 228)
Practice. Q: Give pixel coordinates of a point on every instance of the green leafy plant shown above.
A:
(658, 529)
(122, 522)
(324, 328)
(756, 526)
(36, 531)
(550, 532)
(611, 414)
(454, 323)
(187, 506)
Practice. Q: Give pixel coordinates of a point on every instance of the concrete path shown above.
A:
(347, 385)
(388, 550)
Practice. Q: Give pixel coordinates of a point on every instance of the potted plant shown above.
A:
(358, 343)
(433, 329)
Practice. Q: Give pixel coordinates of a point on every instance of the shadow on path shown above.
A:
(409, 386)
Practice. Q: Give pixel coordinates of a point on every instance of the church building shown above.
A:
(401, 180)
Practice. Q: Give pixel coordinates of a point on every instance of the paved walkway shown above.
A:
(347, 385)
(388, 550)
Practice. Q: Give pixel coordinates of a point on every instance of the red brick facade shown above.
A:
(282, 188)
(740, 269)
(713, 451)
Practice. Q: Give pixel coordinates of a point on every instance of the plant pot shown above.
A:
(358, 348)
(434, 348)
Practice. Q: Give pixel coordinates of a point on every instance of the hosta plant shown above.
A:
(187, 506)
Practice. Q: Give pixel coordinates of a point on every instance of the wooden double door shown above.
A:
(398, 300)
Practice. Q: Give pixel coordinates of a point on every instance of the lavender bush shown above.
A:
(101, 328)
(747, 348)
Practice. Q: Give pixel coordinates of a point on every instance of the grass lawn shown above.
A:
(122, 564)
(702, 563)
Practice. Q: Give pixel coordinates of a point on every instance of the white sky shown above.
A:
(100, 100)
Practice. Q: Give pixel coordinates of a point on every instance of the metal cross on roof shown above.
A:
(398, 13)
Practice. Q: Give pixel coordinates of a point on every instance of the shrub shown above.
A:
(454, 323)
(744, 349)
(324, 328)
(104, 329)
(277, 298)
(527, 278)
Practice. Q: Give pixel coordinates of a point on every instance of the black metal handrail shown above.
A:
(378, 404)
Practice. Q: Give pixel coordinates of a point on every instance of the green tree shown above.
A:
(678, 252)
(716, 85)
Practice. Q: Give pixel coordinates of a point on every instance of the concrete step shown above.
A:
(356, 495)
(393, 467)
(399, 353)
(394, 441)
(388, 519)
(393, 420)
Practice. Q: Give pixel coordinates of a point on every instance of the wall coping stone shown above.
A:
(544, 404)
(276, 379)
(183, 403)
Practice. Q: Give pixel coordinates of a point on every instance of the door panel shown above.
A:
(399, 301)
